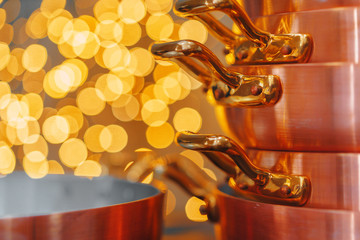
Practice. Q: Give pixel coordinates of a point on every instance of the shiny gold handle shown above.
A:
(265, 186)
(265, 47)
(183, 172)
(231, 88)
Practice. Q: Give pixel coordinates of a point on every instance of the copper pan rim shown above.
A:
(334, 31)
(318, 110)
(257, 8)
(334, 177)
(243, 219)
(82, 209)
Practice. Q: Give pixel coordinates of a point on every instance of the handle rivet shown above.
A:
(285, 190)
(203, 210)
(286, 50)
(218, 94)
(256, 90)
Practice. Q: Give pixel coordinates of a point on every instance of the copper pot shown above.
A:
(257, 8)
(68, 207)
(237, 218)
(315, 180)
(317, 111)
(312, 109)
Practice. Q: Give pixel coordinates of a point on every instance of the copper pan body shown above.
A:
(334, 177)
(334, 31)
(257, 8)
(317, 112)
(242, 219)
(66, 207)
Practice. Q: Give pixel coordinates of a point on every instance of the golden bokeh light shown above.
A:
(56, 129)
(192, 210)
(210, 173)
(158, 7)
(110, 86)
(118, 138)
(187, 119)
(48, 7)
(33, 82)
(7, 160)
(35, 169)
(125, 108)
(131, 11)
(155, 113)
(34, 57)
(73, 152)
(39, 145)
(159, 28)
(4, 55)
(90, 101)
(74, 117)
(2, 17)
(88, 168)
(55, 167)
(194, 156)
(69, 79)
(170, 202)
(193, 30)
(160, 137)
(92, 138)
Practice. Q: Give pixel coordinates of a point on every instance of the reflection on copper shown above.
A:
(257, 8)
(334, 31)
(317, 111)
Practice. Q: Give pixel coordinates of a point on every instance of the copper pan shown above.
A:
(68, 207)
(334, 31)
(317, 112)
(296, 107)
(257, 8)
(327, 180)
(237, 218)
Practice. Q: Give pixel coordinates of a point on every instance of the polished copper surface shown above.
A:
(334, 31)
(317, 112)
(237, 218)
(242, 219)
(257, 8)
(140, 219)
(335, 177)
(263, 185)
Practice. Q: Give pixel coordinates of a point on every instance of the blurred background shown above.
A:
(80, 93)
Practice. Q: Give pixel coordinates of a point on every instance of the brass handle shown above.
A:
(265, 186)
(183, 172)
(265, 47)
(231, 88)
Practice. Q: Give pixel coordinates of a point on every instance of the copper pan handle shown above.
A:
(230, 88)
(266, 47)
(267, 186)
(182, 171)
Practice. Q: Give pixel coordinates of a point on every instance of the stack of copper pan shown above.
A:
(290, 103)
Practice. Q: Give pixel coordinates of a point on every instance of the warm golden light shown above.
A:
(187, 119)
(90, 101)
(160, 137)
(194, 156)
(193, 30)
(85, 85)
(155, 113)
(56, 129)
(89, 168)
(192, 210)
(73, 152)
(34, 57)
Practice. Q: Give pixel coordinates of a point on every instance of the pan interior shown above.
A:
(22, 196)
